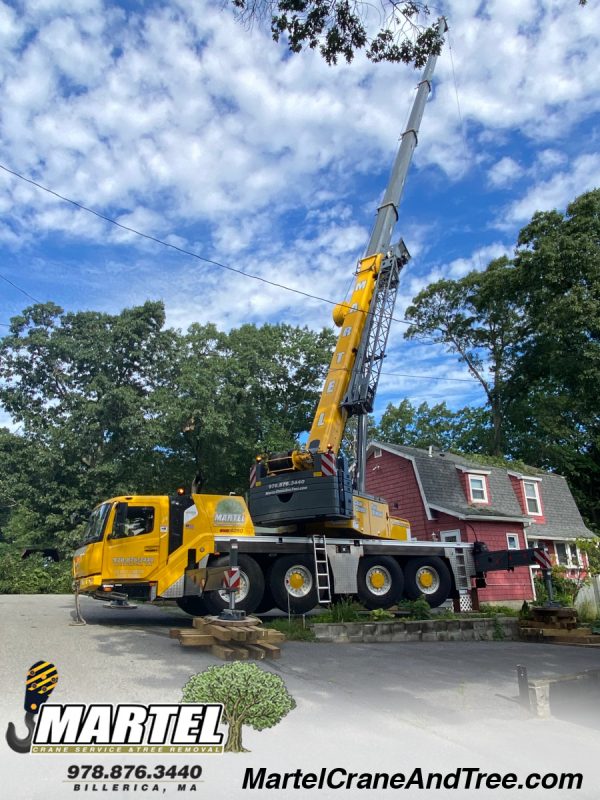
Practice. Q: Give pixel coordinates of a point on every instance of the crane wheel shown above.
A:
(292, 584)
(248, 596)
(380, 581)
(192, 605)
(429, 577)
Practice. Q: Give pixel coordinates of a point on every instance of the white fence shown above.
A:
(589, 596)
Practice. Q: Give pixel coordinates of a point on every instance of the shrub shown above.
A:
(294, 629)
(33, 575)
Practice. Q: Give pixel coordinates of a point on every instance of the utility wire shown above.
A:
(200, 258)
(182, 250)
(31, 297)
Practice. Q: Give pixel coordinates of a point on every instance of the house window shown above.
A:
(450, 536)
(532, 497)
(377, 452)
(512, 541)
(561, 553)
(478, 489)
(574, 555)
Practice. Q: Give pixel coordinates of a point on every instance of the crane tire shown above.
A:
(267, 603)
(428, 576)
(380, 581)
(292, 584)
(192, 605)
(250, 592)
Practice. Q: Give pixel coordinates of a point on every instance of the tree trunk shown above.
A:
(234, 738)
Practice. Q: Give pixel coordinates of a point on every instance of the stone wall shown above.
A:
(443, 630)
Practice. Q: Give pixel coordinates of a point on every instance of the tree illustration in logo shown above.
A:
(250, 696)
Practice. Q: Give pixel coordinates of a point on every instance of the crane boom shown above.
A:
(355, 368)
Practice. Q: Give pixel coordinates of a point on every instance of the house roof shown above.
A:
(439, 476)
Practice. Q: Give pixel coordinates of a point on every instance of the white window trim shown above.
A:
(377, 452)
(514, 536)
(444, 535)
(535, 483)
(483, 499)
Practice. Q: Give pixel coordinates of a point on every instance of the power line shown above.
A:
(428, 377)
(31, 297)
(175, 247)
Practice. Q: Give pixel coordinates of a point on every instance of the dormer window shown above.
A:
(531, 491)
(478, 489)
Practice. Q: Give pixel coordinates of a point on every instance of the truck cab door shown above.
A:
(132, 542)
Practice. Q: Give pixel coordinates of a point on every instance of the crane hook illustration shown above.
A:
(40, 683)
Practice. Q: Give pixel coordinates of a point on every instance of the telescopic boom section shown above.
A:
(352, 379)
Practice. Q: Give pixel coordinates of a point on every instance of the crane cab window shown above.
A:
(139, 520)
(94, 527)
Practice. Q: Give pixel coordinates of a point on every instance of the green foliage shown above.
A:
(117, 404)
(381, 615)
(498, 631)
(418, 609)
(250, 696)
(565, 589)
(339, 29)
(343, 610)
(33, 575)
(503, 611)
(466, 430)
(528, 330)
(591, 547)
(294, 629)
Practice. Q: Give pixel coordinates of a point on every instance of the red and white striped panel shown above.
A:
(328, 465)
(543, 559)
(253, 476)
(232, 579)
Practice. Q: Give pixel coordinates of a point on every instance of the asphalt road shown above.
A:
(364, 707)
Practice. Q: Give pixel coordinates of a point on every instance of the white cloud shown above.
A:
(504, 172)
(178, 122)
(556, 192)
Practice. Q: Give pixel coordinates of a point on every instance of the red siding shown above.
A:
(393, 478)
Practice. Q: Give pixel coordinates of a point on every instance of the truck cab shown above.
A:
(142, 545)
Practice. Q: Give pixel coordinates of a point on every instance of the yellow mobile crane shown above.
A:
(321, 534)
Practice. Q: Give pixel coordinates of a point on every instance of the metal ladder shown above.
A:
(322, 570)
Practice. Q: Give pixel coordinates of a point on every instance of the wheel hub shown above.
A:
(378, 580)
(298, 581)
(428, 580)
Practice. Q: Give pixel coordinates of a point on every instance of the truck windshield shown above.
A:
(94, 527)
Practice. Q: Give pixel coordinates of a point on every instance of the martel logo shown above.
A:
(133, 561)
(230, 511)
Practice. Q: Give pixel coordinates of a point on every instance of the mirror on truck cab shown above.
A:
(119, 529)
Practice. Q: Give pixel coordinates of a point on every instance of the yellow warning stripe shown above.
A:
(43, 683)
(42, 677)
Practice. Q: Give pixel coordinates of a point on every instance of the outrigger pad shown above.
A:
(40, 682)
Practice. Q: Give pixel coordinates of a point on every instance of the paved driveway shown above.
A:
(362, 707)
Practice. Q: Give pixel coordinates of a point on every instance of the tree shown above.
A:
(250, 696)
(529, 331)
(466, 430)
(340, 28)
(232, 396)
(478, 318)
(555, 419)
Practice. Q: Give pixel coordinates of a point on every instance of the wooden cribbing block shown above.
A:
(196, 639)
(225, 653)
(272, 650)
(256, 652)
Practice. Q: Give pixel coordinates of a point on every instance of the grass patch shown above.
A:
(344, 610)
(294, 629)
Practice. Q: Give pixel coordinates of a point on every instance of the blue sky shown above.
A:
(173, 119)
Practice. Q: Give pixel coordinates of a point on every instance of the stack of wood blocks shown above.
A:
(557, 626)
(231, 640)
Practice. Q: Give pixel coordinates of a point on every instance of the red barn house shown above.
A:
(447, 497)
